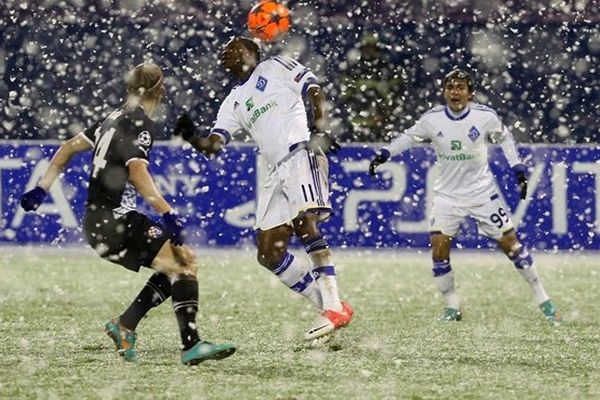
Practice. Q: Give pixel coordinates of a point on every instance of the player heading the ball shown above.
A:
(268, 105)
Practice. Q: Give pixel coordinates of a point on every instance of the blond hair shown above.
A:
(145, 80)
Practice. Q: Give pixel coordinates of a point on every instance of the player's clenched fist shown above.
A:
(520, 171)
(31, 200)
(382, 156)
(184, 127)
(324, 142)
(174, 226)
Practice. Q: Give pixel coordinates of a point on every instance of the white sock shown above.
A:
(445, 284)
(444, 279)
(530, 274)
(296, 276)
(326, 280)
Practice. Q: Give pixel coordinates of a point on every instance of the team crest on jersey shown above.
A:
(154, 232)
(261, 84)
(473, 133)
(144, 138)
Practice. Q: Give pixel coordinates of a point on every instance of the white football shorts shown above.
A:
(298, 183)
(493, 218)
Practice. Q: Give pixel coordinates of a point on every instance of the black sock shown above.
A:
(157, 290)
(185, 305)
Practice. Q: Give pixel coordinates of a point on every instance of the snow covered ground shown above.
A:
(54, 302)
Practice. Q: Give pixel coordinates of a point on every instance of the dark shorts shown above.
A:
(131, 241)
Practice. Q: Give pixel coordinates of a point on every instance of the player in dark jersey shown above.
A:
(121, 144)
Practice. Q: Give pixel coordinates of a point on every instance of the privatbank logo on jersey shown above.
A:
(259, 111)
(457, 157)
(261, 84)
(249, 104)
(455, 145)
(473, 133)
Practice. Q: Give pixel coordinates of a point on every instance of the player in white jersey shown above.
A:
(460, 132)
(268, 104)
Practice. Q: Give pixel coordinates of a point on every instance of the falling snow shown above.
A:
(535, 61)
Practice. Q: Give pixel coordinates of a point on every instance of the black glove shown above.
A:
(184, 127)
(323, 142)
(382, 156)
(174, 226)
(520, 171)
(31, 200)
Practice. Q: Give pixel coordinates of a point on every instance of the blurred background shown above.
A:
(63, 62)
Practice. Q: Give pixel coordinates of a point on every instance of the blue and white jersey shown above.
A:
(269, 106)
(460, 142)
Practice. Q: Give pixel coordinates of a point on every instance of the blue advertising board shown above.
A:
(218, 196)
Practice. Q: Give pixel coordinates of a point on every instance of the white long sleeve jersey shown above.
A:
(460, 143)
(269, 105)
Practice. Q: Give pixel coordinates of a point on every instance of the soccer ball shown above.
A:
(268, 20)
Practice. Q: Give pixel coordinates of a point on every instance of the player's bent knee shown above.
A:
(270, 254)
(306, 226)
(510, 245)
(171, 260)
(269, 260)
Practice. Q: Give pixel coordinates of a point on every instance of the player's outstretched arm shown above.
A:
(509, 147)
(140, 178)
(410, 137)
(320, 139)
(32, 199)
(207, 145)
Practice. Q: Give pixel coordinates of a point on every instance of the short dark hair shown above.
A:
(458, 74)
(247, 43)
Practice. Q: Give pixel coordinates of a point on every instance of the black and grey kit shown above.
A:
(112, 225)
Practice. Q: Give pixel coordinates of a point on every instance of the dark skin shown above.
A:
(239, 59)
(457, 96)
(272, 244)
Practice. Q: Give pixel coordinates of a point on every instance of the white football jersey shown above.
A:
(269, 106)
(460, 143)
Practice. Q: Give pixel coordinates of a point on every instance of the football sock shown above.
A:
(294, 274)
(324, 272)
(444, 279)
(531, 276)
(524, 264)
(185, 304)
(156, 290)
